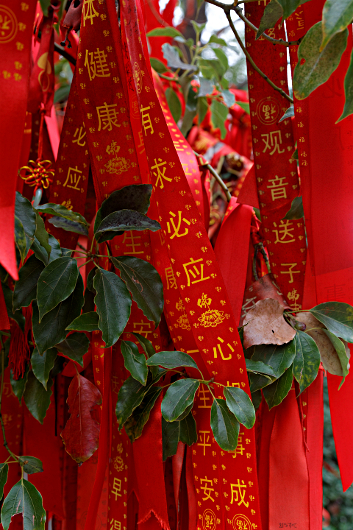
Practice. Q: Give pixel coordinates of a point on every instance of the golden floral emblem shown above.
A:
(118, 164)
(212, 317)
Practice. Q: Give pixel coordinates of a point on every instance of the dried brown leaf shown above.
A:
(264, 324)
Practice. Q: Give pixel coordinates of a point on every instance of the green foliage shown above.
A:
(36, 397)
(134, 361)
(173, 104)
(296, 210)
(272, 12)
(224, 425)
(337, 317)
(178, 397)
(336, 16)
(307, 360)
(24, 498)
(43, 364)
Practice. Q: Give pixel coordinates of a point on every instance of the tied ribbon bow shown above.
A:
(38, 174)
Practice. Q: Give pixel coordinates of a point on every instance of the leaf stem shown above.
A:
(217, 177)
(171, 79)
(85, 263)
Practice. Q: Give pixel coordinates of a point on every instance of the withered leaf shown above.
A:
(81, 433)
(264, 324)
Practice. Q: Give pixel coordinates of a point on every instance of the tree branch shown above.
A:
(217, 177)
(64, 53)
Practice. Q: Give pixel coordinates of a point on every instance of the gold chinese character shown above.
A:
(80, 133)
(73, 178)
(160, 166)
(278, 190)
(116, 490)
(107, 116)
(290, 271)
(205, 397)
(132, 242)
(207, 490)
(115, 525)
(175, 228)
(238, 491)
(194, 271)
(146, 120)
(169, 276)
(96, 63)
(204, 437)
(239, 450)
(89, 12)
(143, 328)
(272, 140)
(219, 348)
(293, 296)
(284, 231)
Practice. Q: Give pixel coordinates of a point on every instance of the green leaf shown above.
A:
(52, 328)
(178, 397)
(75, 346)
(221, 56)
(26, 214)
(17, 315)
(337, 317)
(130, 396)
(228, 97)
(258, 381)
(135, 424)
(272, 12)
(18, 386)
(315, 66)
(256, 398)
(42, 254)
(217, 40)
(258, 367)
(279, 358)
(24, 498)
(288, 114)
(20, 238)
(240, 404)
(336, 16)
(4, 471)
(185, 413)
(173, 104)
(158, 66)
(113, 303)
(274, 394)
(171, 55)
(42, 364)
(69, 226)
(124, 220)
(341, 352)
(62, 93)
(56, 251)
(171, 359)
(191, 100)
(41, 234)
(170, 438)
(85, 322)
(31, 464)
(307, 360)
(36, 397)
(58, 210)
(26, 287)
(245, 106)
(44, 4)
(198, 27)
(206, 87)
(164, 32)
(188, 432)
(348, 91)
(188, 119)
(146, 345)
(202, 108)
(56, 283)
(289, 6)
(134, 361)
(296, 210)
(134, 197)
(144, 284)
(219, 114)
(224, 425)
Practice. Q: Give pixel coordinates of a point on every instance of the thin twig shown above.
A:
(217, 177)
(251, 61)
(171, 79)
(64, 53)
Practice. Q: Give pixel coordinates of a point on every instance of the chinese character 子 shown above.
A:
(107, 116)
(290, 271)
(96, 64)
(73, 178)
(88, 11)
(160, 168)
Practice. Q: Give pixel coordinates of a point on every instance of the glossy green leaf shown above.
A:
(188, 432)
(26, 214)
(164, 32)
(185, 412)
(178, 397)
(20, 239)
(15, 315)
(85, 322)
(272, 12)
(315, 66)
(44, 4)
(26, 287)
(130, 396)
(42, 364)
(224, 425)
(36, 397)
(124, 220)
(279, 358)
(258, 381)
(202, 108)
(158, 66)
(134, 361)
(56, 283)
(41, 234)
(58, 210)
(336, 16)
(75, 346)
(113, 303)
(256, 398)
(289, 6)
(56, 251)
(188, 120)
(219, 113)
(337, 317)
(171, 55)
(341, 352)
(171, 359)
(288, 114)
(275, 393)
(4, 471)
(52, 328)
(240, 405)
(170, 438)
(348, 91)
(69, 226)
(31, 464)
(144, 284)
(18, 386)
(296, 210)
(41, 254)
(24, 498)
(146, 345)
(307, 360)
(228, 97)
(140, 416)
(173, 104)
(258, 367)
